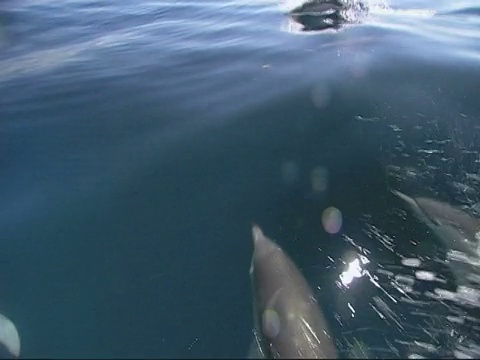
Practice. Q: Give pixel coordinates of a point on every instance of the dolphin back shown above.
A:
(288, 320)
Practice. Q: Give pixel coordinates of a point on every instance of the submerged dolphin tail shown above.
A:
(288, 320)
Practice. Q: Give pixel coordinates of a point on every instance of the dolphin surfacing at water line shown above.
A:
(323, 14)
(288, 320)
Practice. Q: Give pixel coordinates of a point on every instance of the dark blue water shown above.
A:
(140, 139)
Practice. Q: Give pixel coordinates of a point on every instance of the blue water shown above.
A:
(140, 139)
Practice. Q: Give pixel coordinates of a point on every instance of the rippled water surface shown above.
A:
(140, 139)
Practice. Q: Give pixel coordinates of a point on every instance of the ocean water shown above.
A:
(140, 139)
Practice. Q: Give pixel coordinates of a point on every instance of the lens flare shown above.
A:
(332, 220)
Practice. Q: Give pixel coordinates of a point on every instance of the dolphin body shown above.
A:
(288, 321)
(456, 229)
(323, 14)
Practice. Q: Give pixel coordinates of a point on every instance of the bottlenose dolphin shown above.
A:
(287, 317)
(9, 339)
(323, 14)
(456, 229)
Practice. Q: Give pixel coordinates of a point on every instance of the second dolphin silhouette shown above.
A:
(454, 227)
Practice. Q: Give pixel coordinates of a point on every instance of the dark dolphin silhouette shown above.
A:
(323, 14)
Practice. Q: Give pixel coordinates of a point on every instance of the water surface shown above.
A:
(139, 140)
